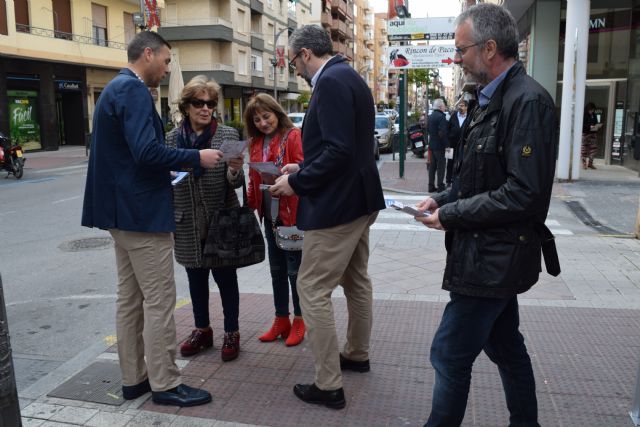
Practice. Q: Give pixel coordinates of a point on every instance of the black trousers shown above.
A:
(438, 165)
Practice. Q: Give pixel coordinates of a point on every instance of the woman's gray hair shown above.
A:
(492, 22)
(311, 37)
(438, 104)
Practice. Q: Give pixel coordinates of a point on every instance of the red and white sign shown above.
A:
(434, 56)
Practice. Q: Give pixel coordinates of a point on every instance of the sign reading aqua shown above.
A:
(421, 29)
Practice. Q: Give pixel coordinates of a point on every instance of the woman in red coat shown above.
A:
(267, 124)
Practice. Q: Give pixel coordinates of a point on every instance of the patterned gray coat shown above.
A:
(209, 190)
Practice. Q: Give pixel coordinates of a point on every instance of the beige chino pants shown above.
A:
(146, 300)
(332, 256)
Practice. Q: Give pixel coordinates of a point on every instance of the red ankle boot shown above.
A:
(281, 327)
(297, 332)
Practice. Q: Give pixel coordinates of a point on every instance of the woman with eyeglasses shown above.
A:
(196, 198)
(275, 139)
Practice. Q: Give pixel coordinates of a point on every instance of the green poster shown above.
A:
(23, 119)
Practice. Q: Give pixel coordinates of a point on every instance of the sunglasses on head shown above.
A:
(199, 103)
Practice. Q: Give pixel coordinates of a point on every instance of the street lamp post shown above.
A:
(274, 60)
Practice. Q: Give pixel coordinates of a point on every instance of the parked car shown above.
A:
(390, 112)
(384, 131)
(297, 119)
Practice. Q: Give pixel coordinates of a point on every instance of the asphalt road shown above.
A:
(59, 278)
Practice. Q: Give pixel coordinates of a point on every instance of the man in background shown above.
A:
(455, 130)
(437, 128)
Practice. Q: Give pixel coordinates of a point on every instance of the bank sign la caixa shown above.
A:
(420, 29)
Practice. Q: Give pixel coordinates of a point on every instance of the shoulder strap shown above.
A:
(281, 150)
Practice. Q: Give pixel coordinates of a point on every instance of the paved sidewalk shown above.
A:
(582, 330)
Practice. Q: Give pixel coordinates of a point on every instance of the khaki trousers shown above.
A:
(145, 326)
(332, 256)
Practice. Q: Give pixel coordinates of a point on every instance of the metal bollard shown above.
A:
(9, 406)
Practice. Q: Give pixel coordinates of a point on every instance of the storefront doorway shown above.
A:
(609, 99)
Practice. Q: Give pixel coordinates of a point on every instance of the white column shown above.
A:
(574, 77)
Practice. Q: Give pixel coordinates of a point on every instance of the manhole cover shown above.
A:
(87, 244)
(100, 382)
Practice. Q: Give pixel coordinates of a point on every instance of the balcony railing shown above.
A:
(45, 32)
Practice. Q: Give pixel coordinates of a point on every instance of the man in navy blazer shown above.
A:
(128, 192)
(340, 196)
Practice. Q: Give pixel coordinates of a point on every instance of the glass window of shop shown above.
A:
(610, 26)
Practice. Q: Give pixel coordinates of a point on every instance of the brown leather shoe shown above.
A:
(591, 166)
(309, 393)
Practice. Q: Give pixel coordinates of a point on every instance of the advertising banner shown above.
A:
(421, 29)
(24, 127)
(434, 56)
(280, 57)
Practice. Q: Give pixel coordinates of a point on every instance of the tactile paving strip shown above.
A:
(100, 382)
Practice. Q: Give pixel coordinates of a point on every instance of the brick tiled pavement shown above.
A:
(582, 330)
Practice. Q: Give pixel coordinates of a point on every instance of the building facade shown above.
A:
(363, 41)
(235, 42)
(56, 57)
(381, 76)
(612, 80)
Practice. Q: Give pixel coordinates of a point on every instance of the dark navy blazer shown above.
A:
(128, 181)
(339, 179)
(438, 127)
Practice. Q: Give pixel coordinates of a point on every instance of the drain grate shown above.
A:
(100, 382)
(87, 244)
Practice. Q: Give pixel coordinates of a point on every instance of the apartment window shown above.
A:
(270, 33)
(61, 19)
(3, 18)
(129, 27)
(21, 8)
(99, 24)
(242, 62)
(241, 18)
(256, 62)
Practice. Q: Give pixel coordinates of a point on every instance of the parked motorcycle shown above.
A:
(417, 138)
(11, 158)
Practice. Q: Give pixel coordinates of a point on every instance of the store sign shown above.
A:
(68, 85)
(434, 56)
(24, 127)
(421, 29)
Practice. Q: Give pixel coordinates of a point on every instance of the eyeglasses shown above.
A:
(199, 103)
(462, 50)
(292, 65)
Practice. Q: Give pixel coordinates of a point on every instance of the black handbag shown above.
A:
(235, 237)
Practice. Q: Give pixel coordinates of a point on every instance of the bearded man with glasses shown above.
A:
(494, 217)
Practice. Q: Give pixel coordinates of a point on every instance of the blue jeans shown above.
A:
(227, 281)
(470, 325)
(284, 267)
